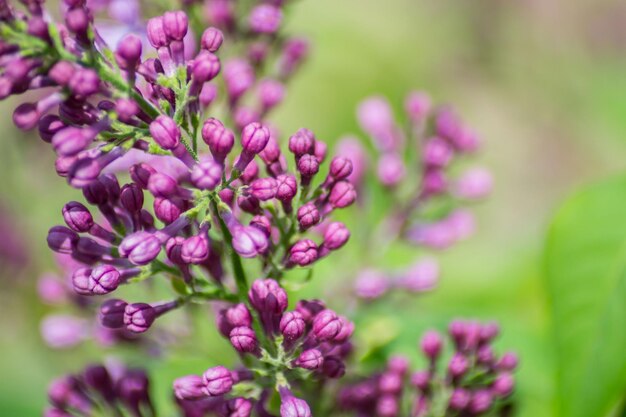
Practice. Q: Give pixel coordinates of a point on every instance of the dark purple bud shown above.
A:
(347, 328)
(205, 67)
(249, 204)
(235, 316)
(77, 217)
(133, 389)
(84, 82)
(156, 32)
(165, 132)
(140, 248)
(254, 137)
(263, 188)
(480, 402)
(308, 216)
(326, 325)
(271, 93)
(292, 325)
(266, 296)
(26, 116)
(237, 407)
(175, 25)
(112, 313)
(173, 250)
(249, 241)
(162, 185)
(206, 174)
(250, 173)
(140, 174)
(310, 359)
(138, 317)
(265, 18)
(98, 378)
(431, 344)
(48, 126)
(243, 339)
(302, 143)
(459, 399)
(219, 139)
(336, 235)
(190, 387)
(263, 224)
(342, 194)
(458, 365)
(131, 197)
(437, 153)
(71, 140)
(286, 187)
(303, 252)
(195, 249)
(271, 152)
(309, 309)
(212, 39)
(421, 380)
(333, 367)
(217, 381)
(508, 362)
(308, 166)
(129, 52)
(291, 406)
(61, 239)
(168, 210)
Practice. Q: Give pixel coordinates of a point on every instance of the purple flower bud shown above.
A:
(302, 143)
(335, 236)
(271, 93)
(77, 217)
(308, 166)
(61, 239)
(205, 67)
(265, 18)
(190, 387)
(286, 187)
(371, 284)
(133, 389)
(342, 194)
(62, 72)
(195, 249)
(291, 406)
(140, 174)
(437, 153)
(508, 362)
(347, 328)
(131, 197)
(250, 173)
(308, 216)
(458, 365)
(60, 331)
(98, 378)
(77, 21)
(459, 399)
(421, 276)
(71, 140)
(138, 317)
(431, 344)
(243, 339)
(326, 325)
(271, 152)
(165, 132)
(391, 169)
(263, 188)
(488, 332)
(235, 316)
(48, 126)
(263, 224)
(126, 109)
(140, 248)
(103, 279)
(112, 313)
(293, 54)
(219, 139)
(303, 252)
(212, 39)
(333, 367)
(128, 53)
(237, 407)
(292, 325)
(254, 137)
(206, 174)
(417, 106)
(84, 82)
(309, 309)
(168, 210)
(376, 118)
(249, 241)
(175, 25)
(503, 385)
(474, 184)
(266, 296)
(387, 406)
(485, 355)
(239, 77)
(320, 150)
(434, 182)
(173, 250)
(421, 380)
(156, 32)
(480, 402)
(340, 168)
(310, 359)
(249, 204)
(217, 381)
(161, 185)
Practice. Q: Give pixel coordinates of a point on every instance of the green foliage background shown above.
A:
(543, 81)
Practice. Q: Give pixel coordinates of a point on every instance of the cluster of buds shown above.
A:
(98, 390)
(281, 349)
(474, 381)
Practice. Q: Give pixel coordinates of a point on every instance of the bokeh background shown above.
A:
(543, 81)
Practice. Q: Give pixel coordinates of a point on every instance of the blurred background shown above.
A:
(542, 81)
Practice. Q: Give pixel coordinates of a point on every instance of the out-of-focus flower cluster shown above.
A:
(472, 381)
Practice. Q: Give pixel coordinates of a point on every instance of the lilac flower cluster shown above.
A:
(474, 381)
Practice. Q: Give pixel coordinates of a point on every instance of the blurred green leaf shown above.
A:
(586, 275)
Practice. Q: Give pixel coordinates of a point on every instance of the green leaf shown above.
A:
(585, 268)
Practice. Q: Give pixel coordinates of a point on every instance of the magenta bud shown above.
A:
(387, 406)
(195, 249)
(291, 406)
(138, 317)
(390, 383)
(266, 296)
(254, 137)
(417, 106)
(104, 279)
(391, 169)
(310, 359)
(77, 21)
(474, 184)
(340, 168)
(271, 152)
(77, 217)
(165, 132)
(398, 365)
(71, 140)
(320, 150)
(421, 380)
(437, 153)
(62, 72)
(243, 339)
(434, 182)
(336, 235)
(140, 248)
(431, 344)
(503, 385)
(302, 143)
(156, 32)
(263, 188)
(112, 313)
(508, 362)
(168, 210)
(219, 139)
(131, 197)
(303, 252)
(128, 53)
(347, 328)
(140, 174)
(485, 355)
(459, 399)
(205, 67)
(217, 381)
(458, 365)
(286, 187)
(206, 174)
(308, 216)
(237, 407)
(265, 18)
(212, 39)
(326, 325)
(207, 95)
(333, 367)
(173, 250)
(480, 402)
(308, 166)
(263, 224)
(249, 241)
(126, 109)
(342, 194)
(84, 82)
(292, 325)
(162, 185)
(175, 25)
(190, 387)
(48, 126)
(61, 239)
(370, 284)
(271, 93)
(235, 316)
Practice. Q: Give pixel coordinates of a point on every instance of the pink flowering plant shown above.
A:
(166, 133)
